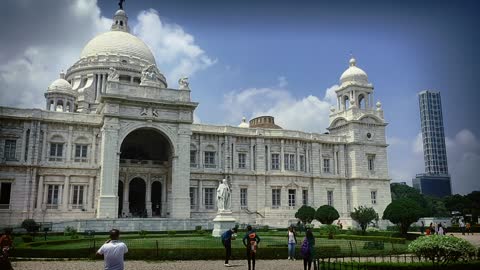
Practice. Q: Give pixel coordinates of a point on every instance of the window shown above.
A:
(193, 197)
(209, 159)
(275, 161)
(326, 165)
(373, 196)
(243, 198)
(289, 162)
(56, 152)
(81, 153)
(209, 202)
(5, 190)
(10, 149)
(291, 197)
(193, 158)
(371, 163)
(330, 197)
(302, 163)
(305, 197)
(77, 197)
(276, 198)
(242, 160)
(52, 196)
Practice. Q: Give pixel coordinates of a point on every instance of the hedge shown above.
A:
(369, 238)
(401, 266)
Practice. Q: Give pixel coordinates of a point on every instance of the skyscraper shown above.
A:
(436, 180)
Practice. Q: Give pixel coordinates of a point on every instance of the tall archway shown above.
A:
(146, 155)
(136, 196)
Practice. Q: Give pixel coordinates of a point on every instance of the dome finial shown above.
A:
(120, 19)
(62, 75)
(352, 61)
(120, 4)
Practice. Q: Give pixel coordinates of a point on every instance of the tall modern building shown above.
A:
(436, 180)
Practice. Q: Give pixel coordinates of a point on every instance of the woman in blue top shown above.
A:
(251, 240)
(308, 255)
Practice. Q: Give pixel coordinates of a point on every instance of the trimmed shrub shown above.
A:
(27, 238)
(171, 233)
(142, 233)
(70, 231)
(442, 249)
(364, 215)
(403, 212)
(306, 214)
(30, 226)
(326, 214)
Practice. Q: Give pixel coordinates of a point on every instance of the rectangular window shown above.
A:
(209, 159)
(305, 197)
(371, 163)
(77, 197)
(291, 197)
(193, 197)
(10, 149)
(289, 160)
(209, 202)
(330, 197)
(243, 198)
(302, 163)
(326, 165)
(81, 153)
(52, 196)
(5, 190)
(56, 152)
(242, 160)
(373, 196)
(275, 161)
(276, 198)
(193, 158)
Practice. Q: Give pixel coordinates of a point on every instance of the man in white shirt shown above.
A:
(113, 251)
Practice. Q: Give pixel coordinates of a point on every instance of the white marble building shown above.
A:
(115, 141)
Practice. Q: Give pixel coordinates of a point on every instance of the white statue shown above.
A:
(150, 73)
(113, 75)
(183, 83)
(224, 194)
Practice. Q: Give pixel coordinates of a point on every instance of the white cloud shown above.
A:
(175, 50)
(331, 95)
(307, 113)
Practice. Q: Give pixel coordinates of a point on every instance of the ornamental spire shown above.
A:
(120, 19)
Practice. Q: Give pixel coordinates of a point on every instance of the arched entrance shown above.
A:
(156, 198)
(145, 159)
(136, 196)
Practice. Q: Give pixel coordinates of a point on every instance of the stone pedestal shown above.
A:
(222, 222)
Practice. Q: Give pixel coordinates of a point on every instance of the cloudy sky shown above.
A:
(282, 58)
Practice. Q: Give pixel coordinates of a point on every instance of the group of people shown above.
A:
(251, 240)
(465, 227)
(434, 228)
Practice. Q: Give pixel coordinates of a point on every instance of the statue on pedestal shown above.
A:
(224, 197)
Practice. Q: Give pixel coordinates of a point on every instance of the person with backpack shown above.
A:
(292, 241)
(227, 238)
(251, 241)
(307, 249)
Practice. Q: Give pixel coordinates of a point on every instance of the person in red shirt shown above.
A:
(6, 244)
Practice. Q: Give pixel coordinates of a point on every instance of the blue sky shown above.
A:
(279, 57)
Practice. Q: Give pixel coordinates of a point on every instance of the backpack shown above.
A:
(305, 248)
(252, 239)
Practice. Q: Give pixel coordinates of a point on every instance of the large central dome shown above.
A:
(118, 42)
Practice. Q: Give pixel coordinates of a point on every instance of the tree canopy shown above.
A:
(363, 216)
(326, 214)
(403, 212)
(306, 214)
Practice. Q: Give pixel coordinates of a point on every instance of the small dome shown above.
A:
(354, 74)
(61, 85)
(120, 12)
(118, 42)
(244, 123)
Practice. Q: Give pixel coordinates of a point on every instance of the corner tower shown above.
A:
(363, 125)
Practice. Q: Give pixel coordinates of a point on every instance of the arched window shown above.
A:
(346, 102)
(68, 107)
(361, 101)
(51, 105)
(59, 107)
(121, 23)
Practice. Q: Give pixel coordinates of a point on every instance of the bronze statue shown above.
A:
(120, 3)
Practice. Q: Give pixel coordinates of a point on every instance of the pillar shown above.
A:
(282, 158)
(66, 189)
(90, 193)
(40, 193)
(181, 175)
(126, 199)
(148, 197)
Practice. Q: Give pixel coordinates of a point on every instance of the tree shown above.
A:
(364, 215)
(326, 214)
(30, 226)
(306, 214)
(403, 212)
(401, 191)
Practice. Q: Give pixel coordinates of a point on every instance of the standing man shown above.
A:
(251, 240)
(227, 238)
(113, 251)
(461, 224)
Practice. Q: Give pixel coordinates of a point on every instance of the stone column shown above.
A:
(126, 199)
(104, 83)
(268, 158)
(200, 152)
(69, 145)
(40, 193)
(200, 196)
(109, 158)
(282, 157)
(163, 209)
(44, 145)
(90, 193)
(66, 189)
(316, 159)
(297, 157)
(93, 149)
(64, 105)
(148, 197)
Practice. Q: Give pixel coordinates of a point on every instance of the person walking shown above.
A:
(469, 228)
(307, 250)
(6, 244)
(113, 251)
(422, 227)
(292, 241)
(440, 230)
(227, 238)
(251, 241)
